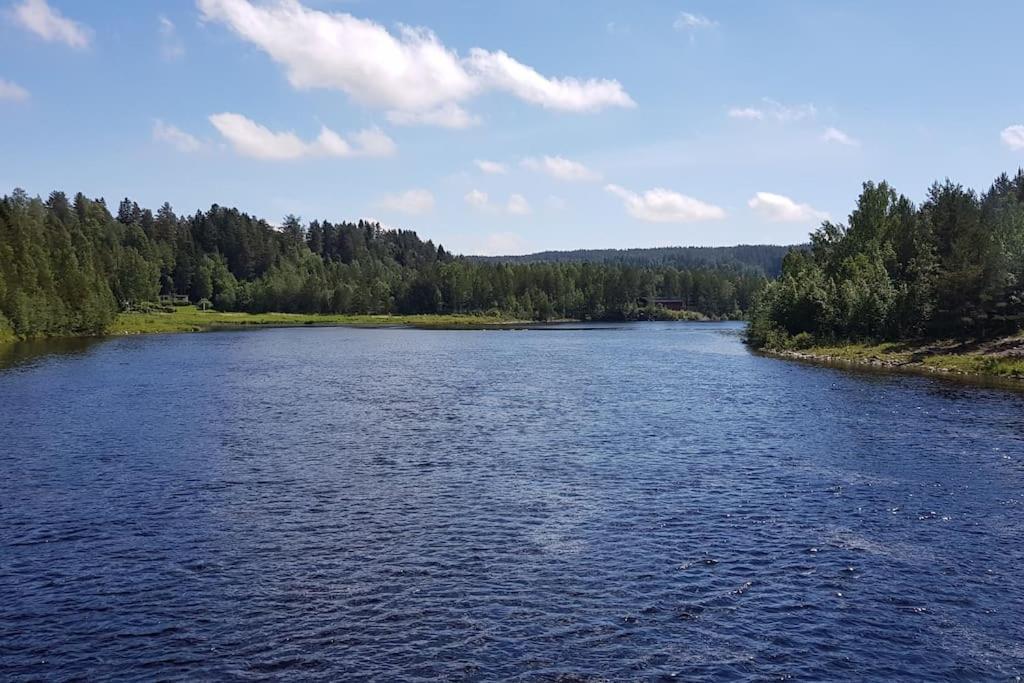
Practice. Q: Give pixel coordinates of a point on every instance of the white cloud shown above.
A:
(685, 21)
(561, 168)
(373, 142)
(9, 90)
(836, 135)
(778, 208)
(783, 113)
(499, 71)
(412, 73)
(491, 167)
(448, 115)
(253, 140)
(174, 136)
(517, 205)
(50, 25)
(665, 206)
(746, 113)
(171, 47)
(479, 200)
(413, 202)
(1013, 137)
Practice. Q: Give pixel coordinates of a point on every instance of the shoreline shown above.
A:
(187, 319)
(999, 360)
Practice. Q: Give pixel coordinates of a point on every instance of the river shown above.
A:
(628, 502)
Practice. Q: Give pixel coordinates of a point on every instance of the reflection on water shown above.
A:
(21, 353)
(650, 502)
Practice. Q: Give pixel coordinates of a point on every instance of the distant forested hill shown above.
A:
(767, 258)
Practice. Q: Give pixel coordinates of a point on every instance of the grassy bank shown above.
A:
(990, 358)
(191, 319)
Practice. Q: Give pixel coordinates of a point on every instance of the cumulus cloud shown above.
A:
(174, 136)
(372, 142)
(499, 71)
(9, 90)
(250, 139)
(778, 208)
(448, 115)
(171, 47)
(665, 206)
(413, 202)
(561, 168)
(1013, 137)
(50, 25)
(491, 167)
(836, 135)
(685, 21)
(517, 205)
(410, 72)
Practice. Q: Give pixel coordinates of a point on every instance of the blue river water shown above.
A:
(631, 502)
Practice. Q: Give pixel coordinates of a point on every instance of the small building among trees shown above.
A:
(668, 304)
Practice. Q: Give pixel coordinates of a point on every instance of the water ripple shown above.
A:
(383, 505)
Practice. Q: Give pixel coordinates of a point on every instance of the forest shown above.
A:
(952, 267)
(764, 257)
(69, 266)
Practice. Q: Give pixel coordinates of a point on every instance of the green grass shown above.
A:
(191, 319)
(885, 352)
(977, 364)
(940, 356)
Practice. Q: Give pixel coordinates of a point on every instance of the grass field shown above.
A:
(191, 319)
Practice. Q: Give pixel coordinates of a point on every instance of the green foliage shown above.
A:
(66, 268)
(953, 267)
(763, 258)
(6, 330)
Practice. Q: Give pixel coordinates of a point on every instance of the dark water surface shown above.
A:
(635, 503)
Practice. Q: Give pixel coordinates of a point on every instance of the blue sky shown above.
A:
(509, 127)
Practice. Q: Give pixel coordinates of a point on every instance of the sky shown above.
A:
(507, 127)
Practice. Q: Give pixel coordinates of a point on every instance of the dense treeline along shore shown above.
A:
(935, 287)
(70, 267)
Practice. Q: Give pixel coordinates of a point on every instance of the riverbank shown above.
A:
(1001, 358)
(191, 319)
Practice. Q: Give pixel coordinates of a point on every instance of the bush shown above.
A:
(151, 307)
(804, 340)
(6, 330)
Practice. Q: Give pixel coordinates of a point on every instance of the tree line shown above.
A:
(951, 267)
(766, 258)
(69, 266)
